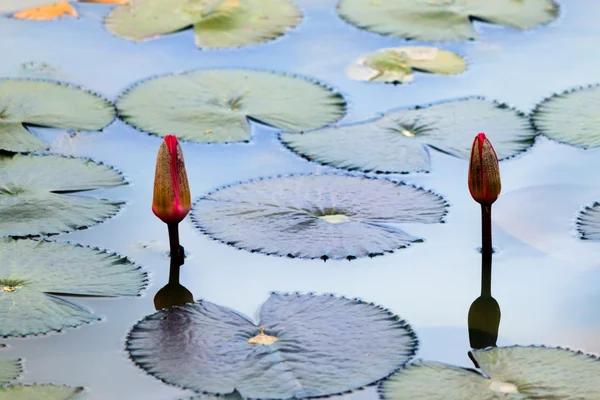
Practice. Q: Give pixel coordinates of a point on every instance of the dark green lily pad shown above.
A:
(398, 141)
(9, 370)
(214, 105)
(216, 23)
(317, 216)
(303, 346)
(571, 117)
(33, 273)
(40, 392)
(444, 20)
(588, 222)
(396, 65)
(515, 373)
(37, 194)
(49, 104)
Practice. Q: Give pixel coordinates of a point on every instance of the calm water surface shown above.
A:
(546, 280)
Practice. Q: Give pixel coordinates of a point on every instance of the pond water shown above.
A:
(545, 279)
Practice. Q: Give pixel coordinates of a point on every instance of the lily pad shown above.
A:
(317, 216)
(49, 104)
(304, 346)
(216, 23)
(214, 105)
(588, 222)
(37, 392)
(399, 141)
(9, 370)
(396, 65)
(444, 20)
(524, 373)
(36, 194)
(33, 273)
(571, 117)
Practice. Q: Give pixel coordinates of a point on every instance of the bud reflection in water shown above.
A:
(173, 293)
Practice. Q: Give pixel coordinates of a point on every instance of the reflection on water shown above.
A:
(173, 293)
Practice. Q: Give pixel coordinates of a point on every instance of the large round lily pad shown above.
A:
(588, 222)
(214, 105)
(49, 104)
(444, 20)
(303, 346)
(9, 370)
(39, 194)
(399, 141)
(397, 64)
(33, 273)
(571, 117)
(216, 23)
(39, 392)
(317, 216)
(515, 373)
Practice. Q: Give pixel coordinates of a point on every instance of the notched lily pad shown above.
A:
(216, 23)
(396, 65)
(39, 194)
(33, 273)
(444, 20)
(317, 216)
(214, 105)
(9, 370)
(516, 373)
(38, 392)
(588, 222)
(399, 141)
(571, 117)
(48, 104)
(324, 345)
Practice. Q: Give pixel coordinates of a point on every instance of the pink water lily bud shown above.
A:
(484, 172)
(172, 200)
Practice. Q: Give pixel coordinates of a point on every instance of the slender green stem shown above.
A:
(174, 271)
(177, 251)
(486, 250)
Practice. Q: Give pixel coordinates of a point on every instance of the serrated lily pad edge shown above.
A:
(64, 84)
(79, 389)
(535, 133)
(204, 232)
(579, 221)
(403, 324)
(66, 297)
(20, 371)
(537, 110)
(334, 91)
(477, 369)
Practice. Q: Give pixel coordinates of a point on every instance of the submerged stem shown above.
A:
(486, 250)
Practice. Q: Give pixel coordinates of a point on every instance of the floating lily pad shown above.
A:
(396, 65)
(571, 117)
(304, 346)
(214, 105)
(9, 370)
(39, 392)
(398, 141)
(33, 273)
(216, 23)
(37, 194)
(49, 104)
(588, 222)
(317, 216)
(444, 20)
(511, 373)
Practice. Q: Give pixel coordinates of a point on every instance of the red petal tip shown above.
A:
(171, 141)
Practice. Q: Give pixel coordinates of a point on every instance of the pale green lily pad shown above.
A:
(588, 222)
(304, 345)
(33, 273)
(511, 373)
(399, 141)
(235, 395)
(397, 64)
(317, 216)
(216, 23)
(214, 105)
(38, 194)
(571, 117)
(40, 392)
(444, 20)
(9, 370)
(50, 104)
